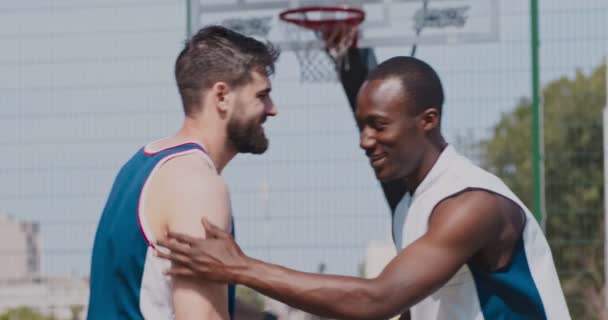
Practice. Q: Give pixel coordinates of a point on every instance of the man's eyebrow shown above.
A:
(265, 90)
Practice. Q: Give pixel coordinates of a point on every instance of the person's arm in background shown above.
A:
(193, 190)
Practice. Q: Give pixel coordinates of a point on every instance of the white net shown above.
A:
(320, 53)
(321, 63)
(316, 66)
(315, 63)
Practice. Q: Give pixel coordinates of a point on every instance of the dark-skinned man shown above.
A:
(469, 248)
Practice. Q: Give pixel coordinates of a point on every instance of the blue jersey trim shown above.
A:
(120, 247)
(510, 293)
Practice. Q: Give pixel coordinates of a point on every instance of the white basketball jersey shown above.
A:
(527, 288)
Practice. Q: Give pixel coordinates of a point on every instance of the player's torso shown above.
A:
(127, 280)
(527, 288)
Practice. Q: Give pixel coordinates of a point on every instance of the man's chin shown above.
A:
(258, 151)
(258, 148)
(384, 176)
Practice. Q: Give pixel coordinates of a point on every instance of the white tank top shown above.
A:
(528, 288)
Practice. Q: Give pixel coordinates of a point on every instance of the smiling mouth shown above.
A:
(376, 158)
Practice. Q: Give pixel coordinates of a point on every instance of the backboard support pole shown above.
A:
(360, 62)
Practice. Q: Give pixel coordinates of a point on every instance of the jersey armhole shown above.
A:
(146, 232)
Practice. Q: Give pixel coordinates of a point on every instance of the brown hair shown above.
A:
(214, 54)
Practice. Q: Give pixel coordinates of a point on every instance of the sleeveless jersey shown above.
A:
(126, 280)
(527, 288)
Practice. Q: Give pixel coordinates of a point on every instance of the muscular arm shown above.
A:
(193, 190)
(458, 228)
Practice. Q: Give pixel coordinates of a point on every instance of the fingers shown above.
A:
(179, 272)
(213, 231)
(174, 245)
(173, 257)
(183, 238)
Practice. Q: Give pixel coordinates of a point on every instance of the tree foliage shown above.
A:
(250, 297)
(24, 313)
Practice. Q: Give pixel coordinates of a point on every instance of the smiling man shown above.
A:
(170, 184)
(470, 249)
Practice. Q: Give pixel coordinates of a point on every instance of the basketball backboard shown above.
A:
(387, 22)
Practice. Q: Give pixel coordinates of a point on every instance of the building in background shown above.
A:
(86, 83)
(20, 249)
(63, 297)
(21, 282)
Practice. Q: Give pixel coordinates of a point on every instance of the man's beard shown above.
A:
(248, 137)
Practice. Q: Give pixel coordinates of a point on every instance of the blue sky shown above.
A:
(84, 84)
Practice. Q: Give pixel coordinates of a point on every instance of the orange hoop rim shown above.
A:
(355, 18)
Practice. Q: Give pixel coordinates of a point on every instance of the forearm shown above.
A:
(325, 295)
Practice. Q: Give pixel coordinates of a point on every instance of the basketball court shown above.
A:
(85, 83)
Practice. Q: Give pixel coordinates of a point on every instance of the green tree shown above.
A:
(250, 297)
(573, 177)
(24, 313)
(75, 310)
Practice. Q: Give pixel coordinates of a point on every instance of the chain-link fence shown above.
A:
(84, 84)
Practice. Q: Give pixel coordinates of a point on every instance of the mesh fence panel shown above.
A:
(83, 85)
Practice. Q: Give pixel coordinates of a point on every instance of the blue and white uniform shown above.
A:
(126, 278)
(527, 288)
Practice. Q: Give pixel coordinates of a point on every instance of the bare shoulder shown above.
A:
(471, 203)
(472, 212)
(193, 163)
(192, 189)
(191, 171)
(489, 223)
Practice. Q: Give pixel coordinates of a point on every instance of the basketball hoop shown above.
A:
(336, 27)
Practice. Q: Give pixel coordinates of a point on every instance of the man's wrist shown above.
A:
(241, 274)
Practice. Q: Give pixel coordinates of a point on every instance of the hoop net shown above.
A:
(336, 27)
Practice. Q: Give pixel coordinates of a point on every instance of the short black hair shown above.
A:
(216, 53)
(420, 82)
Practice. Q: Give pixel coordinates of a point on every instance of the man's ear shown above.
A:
(220, 93)
(430, 119)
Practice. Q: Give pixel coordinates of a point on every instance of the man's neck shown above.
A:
(426, 164)
(212, 137)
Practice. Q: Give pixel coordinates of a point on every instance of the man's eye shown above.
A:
(379, 126)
